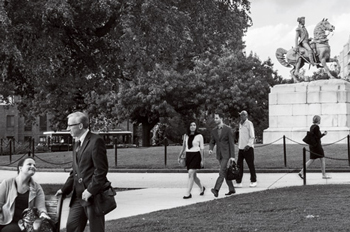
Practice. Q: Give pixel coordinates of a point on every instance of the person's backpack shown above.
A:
(31, 222)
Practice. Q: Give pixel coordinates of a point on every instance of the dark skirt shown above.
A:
(193, 160)
(316, 151)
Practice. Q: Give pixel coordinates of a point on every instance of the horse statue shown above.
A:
(297, 59)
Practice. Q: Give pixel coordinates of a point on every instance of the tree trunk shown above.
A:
(146, 135)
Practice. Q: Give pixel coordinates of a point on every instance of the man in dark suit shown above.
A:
(90, 167)
(222, 137)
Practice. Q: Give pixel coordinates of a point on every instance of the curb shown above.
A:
(126, 170)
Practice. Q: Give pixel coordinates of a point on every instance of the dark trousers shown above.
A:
(222, 176)
(249, 158)
(78, 216)
(12, 227)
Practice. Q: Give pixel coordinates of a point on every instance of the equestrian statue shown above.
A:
(315, 52)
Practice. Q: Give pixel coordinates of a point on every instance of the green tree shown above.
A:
(320, 74)
(117, 59)
(69, 50)
(237, 82)
(57, 54)
(174, 86)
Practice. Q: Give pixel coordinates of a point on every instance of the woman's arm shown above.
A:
(201, 145)
(183, 146)
(317, 132)
(40, 200)
(2, 194)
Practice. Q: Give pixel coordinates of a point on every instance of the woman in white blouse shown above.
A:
(193, 145)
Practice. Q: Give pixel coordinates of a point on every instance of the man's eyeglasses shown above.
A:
(70, 125)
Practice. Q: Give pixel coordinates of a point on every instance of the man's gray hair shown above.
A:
(81, 118)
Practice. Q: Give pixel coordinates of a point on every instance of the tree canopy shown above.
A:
(60, 56)
(142, 60)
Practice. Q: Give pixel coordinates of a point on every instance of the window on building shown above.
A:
(28, 126)
(10, 121)
(43, 123)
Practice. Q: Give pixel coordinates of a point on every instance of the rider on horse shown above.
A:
(302, 33)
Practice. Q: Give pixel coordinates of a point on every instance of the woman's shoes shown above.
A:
(300, 175)
(323, 177)
(202, 193)
(190, 196)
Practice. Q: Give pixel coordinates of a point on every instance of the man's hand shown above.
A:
(230, 162)
(210, 152)
(86, 195)
(44, 215)
(59, 192)
(246, 148)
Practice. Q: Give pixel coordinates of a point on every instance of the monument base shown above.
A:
(292, 107)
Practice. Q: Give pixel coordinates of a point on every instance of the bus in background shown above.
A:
(63, 141)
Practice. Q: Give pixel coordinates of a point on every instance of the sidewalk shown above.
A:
(159, 191)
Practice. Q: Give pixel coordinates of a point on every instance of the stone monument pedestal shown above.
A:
(292, 107)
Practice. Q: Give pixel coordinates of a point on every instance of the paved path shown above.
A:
(160, 191)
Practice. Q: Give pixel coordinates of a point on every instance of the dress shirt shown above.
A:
(197, 143)
(82, 137)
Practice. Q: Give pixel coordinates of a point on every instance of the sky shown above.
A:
(275, 21)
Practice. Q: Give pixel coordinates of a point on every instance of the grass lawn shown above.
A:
(303, 208)
(266, 157)
(297, 208)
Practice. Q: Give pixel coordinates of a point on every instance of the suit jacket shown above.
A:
(224, 143)
(93, 167)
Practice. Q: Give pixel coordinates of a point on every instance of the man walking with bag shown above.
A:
(90, 167)
(222, 137)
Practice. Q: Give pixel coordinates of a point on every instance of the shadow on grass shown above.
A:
(303, 208)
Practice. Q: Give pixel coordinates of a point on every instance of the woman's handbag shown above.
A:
(31, 222)
(310, 139)
(104, 201)
(182, 161)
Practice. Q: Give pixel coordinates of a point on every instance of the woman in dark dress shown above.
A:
(316, 152)
(193, 145)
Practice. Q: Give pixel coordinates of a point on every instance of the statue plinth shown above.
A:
(292, 107)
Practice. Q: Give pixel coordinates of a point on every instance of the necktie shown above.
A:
(77, 148)
(219, 131)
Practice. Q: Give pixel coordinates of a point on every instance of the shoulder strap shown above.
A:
(312, 128)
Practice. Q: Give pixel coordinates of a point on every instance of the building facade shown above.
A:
(344, 60)
(13, 126)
